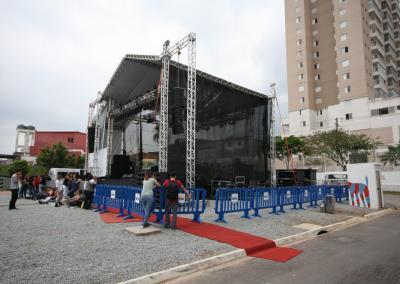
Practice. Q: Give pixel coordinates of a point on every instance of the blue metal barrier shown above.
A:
(127, 200)
(305, 195)
(265, 198)
(287, 196)
(229, 200)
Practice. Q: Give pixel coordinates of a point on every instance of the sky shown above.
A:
(56, 55)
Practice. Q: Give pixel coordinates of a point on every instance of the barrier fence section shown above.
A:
(229, 200)
(287, 196)
(127, 200)
(265, 198)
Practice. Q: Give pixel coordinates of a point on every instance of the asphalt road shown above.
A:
(365, 253)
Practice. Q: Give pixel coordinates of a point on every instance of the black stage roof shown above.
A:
(139, 74)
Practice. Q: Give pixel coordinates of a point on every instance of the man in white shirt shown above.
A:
(15, 186)
(59, 189)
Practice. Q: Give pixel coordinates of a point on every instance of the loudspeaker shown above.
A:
(120, 166)
(90, 133)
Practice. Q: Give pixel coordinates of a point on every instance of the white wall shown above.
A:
(390, 181)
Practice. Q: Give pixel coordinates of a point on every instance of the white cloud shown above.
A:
(56, 55)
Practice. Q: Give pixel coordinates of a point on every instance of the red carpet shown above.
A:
(253, 245)
(111, 217)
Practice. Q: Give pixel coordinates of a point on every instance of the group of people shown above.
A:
(172, 186)
(71, 190)
(76, 190)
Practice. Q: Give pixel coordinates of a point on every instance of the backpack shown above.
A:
(172, 190)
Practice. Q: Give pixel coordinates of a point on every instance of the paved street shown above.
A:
(366, 253)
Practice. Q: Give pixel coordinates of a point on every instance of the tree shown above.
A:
(18, 165)
(337, 145)
(295, 144)
(57, 156)
(392, 156)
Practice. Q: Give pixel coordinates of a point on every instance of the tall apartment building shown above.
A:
(343, 66)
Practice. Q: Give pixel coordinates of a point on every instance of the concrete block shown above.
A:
(140, 231)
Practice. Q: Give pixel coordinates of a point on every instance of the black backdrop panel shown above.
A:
(91, 139)
(232, 132)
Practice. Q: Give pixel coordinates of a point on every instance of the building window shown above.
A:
(300, 76)
(298, 31)
(346, 63)
(383, 111)
(347, 89)
(300, 112)
(317, 77)
(318, 89)
(318, 101)
(315, 32)
(314, 10)
(345, 49)
(316, 66)
(315, 43)
(313, 1)
(302, 100)
(300, 65)
(349, 116)
(314, 21)
(299, 53)
(343, 25)
(398, 107)
(321, 124)
(297, 9)
(342, 12)
(343, 37)
(346, 76)
(342, 1)
(70, 140)
(298, 20)
(303, 123)
(316, 54)
(298, 42)
(301, 88)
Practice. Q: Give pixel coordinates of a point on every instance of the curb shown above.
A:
(185, 269)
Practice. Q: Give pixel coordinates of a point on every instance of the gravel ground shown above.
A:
(44, 244)
(41, 243)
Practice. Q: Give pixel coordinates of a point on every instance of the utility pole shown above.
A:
(337, 123)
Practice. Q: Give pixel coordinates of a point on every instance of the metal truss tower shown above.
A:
(110, 134)
(272, 148)
(168, 52)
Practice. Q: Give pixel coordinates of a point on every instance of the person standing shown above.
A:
(15, 186)
(88, 190)
(59, 190)
(146, 197)
(172, 186)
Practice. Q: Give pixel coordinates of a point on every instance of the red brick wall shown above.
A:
(43, 139)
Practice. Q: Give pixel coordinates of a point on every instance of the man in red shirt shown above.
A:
(172, 186)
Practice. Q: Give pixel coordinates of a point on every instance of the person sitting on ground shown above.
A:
(47, 196)
(172, 186)
(146, 196)
(74, 186)
(77, 199)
